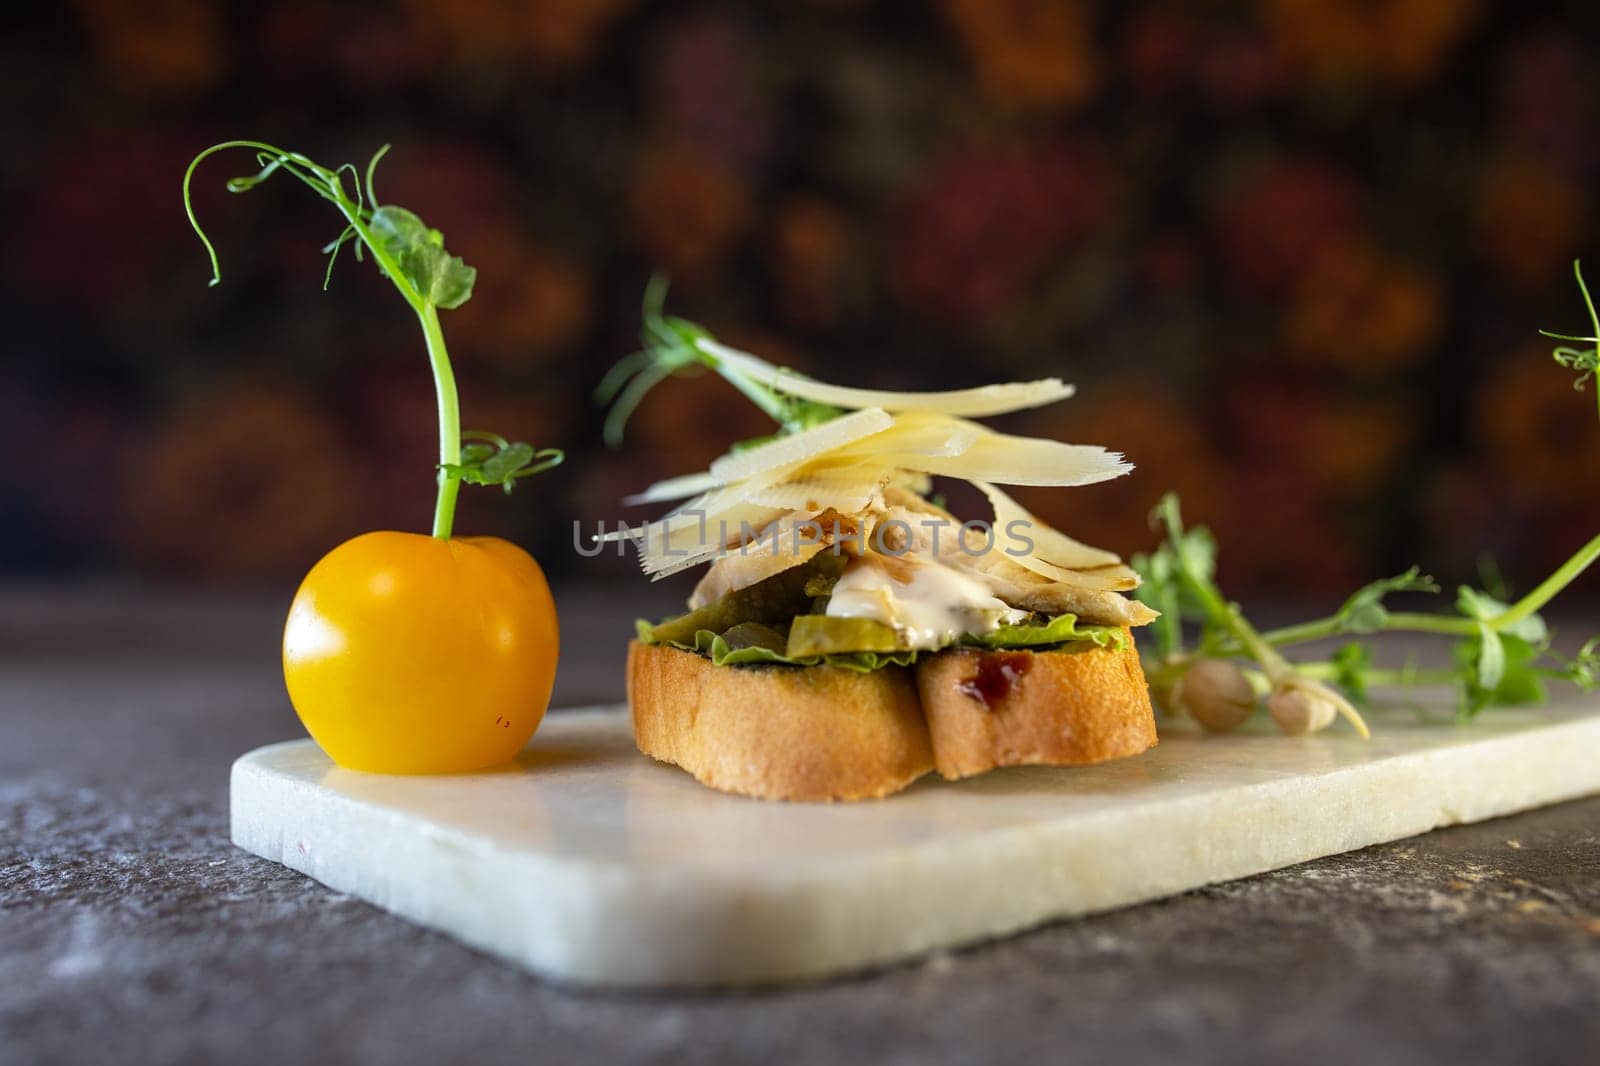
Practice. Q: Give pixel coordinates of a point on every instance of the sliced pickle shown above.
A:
(776, 599)
(820, 585)
(819, 634)
(755, 635)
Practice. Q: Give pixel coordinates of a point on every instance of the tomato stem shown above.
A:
(444, 385)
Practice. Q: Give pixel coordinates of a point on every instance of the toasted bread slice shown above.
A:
(779, 732)
(822, 733)
(1016, 708)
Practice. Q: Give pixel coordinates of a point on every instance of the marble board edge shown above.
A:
(616, 928)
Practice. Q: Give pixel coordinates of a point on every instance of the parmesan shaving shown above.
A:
(674, 488)
(682, 553)
(1049, 544)
(846, 490)
(798, 447)
(917, 434)
(1021, 461)
(870, 468)
(1105, 579)
(981, 402)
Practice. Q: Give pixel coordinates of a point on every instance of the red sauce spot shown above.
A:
(997, 673)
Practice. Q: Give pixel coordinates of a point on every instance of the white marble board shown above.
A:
(588, 863)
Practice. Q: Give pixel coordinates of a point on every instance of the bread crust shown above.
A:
(987, 709)
(778, 732)
(822, 733)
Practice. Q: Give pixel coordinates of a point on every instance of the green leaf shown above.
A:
(1176, 575)
(398, 229)
(677, 331)
(1498, 671)
(723, 652)
(750, 443)
(1500, 666)
(672, 345)
(1160, 589)
(803, 414)
(1491, 665)
(490, 459)
(1531, 629)
(1584, 670)
(1521, 681)
(434, 274)
(749, 643)
(1482, 607)
(440, 278)
(1364, 611)
(1152, 568)
(1039, 631)
(503, 465)
(1351, 665)
(1492, 578)
(1196, 552)
(1190, 554)
(1475, 604)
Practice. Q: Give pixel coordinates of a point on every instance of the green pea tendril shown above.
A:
(671, 346)
(412, 255)
(1502, 652)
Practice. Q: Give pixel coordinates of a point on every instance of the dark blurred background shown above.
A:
(1294, 253)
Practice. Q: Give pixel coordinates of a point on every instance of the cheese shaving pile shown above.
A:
(859, 479)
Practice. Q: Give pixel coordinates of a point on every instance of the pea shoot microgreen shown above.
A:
(413, 257)
(1178, 580)
(1584, 360)
(490, 459)
(675, 346)
(1502, 652)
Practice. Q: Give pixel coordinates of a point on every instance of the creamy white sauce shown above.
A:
(933, 607)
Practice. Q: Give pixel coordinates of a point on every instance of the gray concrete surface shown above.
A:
(132, 932)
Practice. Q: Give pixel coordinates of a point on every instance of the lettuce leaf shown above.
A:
(718, 650)
(1039, 631)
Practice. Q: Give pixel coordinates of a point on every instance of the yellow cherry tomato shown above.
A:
(408, 654)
